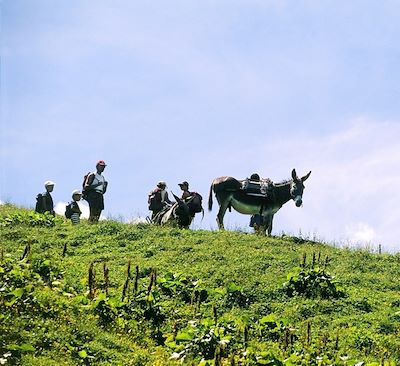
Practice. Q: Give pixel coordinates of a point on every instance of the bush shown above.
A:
(311, 283)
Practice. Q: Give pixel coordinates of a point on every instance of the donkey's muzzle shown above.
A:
(298, 201)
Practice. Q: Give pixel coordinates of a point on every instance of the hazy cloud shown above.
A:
(352, 193)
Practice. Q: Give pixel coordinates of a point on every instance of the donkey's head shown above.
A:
(297, 188)
(182, 213)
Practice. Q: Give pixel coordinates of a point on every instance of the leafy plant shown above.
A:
(18, 282)
(178, 285)
(30, 218)
(312, 282)
(233, 295)
(203, 339)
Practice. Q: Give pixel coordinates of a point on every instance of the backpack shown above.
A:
(68, 211)
(195, 204)
(39, 204)
(85, 191)
(154, 200)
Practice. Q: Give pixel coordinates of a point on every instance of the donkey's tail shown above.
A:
(210, 199)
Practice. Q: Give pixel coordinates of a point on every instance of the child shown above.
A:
(72, 210)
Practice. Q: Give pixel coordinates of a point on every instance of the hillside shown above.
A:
(119, 294)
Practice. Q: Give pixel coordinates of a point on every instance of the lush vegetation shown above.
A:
(118, 294)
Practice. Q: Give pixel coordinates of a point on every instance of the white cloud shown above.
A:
(352, 194)
(360, 232)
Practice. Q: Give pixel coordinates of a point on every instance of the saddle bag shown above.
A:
(262, 187)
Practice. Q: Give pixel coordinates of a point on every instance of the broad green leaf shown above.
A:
(26, 347)
(184, 336)
(82, 354)
(232, 287)
(268, 319)
(18, 292)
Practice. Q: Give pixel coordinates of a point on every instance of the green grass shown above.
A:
(227, 297)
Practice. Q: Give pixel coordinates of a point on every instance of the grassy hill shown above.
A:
(119, 294)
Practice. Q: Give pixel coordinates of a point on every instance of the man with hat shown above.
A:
(158, 198)
(193, 199)
(185, 190)
(95, 187)
(44, 201)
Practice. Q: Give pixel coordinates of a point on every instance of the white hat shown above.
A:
(49, 183)
(76, 192)
(161, 183)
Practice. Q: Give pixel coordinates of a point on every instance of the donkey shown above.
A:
(229, 193)
(178, 214)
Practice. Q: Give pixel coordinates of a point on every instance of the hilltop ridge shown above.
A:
(123, 294)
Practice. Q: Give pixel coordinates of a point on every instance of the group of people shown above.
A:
(93, 189)
(95, 186)
(159, 201)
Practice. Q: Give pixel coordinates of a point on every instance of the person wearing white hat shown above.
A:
(72, 210)
(44, 201)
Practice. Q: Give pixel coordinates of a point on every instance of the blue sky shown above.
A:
(195, 90)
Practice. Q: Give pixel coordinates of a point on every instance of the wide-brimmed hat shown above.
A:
(184, 183)
(49, 183)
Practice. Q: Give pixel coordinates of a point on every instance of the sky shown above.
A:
(193, 90)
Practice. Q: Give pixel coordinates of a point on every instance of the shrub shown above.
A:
(311, 283)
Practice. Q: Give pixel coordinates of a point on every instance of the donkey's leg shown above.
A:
(269, 230)
(221, 213)
(268, 223)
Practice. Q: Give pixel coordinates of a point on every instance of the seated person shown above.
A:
(158, 199)
(185, 190)
(193, 199)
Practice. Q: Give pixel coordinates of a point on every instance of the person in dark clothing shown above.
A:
(255, 220)
(96, 187)
(44, 201)
(158, 199)
(193, 199)
(185, 190)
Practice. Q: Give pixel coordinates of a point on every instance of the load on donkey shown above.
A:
(251, 197)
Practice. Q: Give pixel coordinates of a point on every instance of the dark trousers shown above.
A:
(96, 205)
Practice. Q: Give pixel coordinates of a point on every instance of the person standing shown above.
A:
(95, 187)
(44, 201)
(256, 220)
(73, 211)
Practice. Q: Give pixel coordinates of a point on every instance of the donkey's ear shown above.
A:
(177, 199)
(294, 174)
(306, 176)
